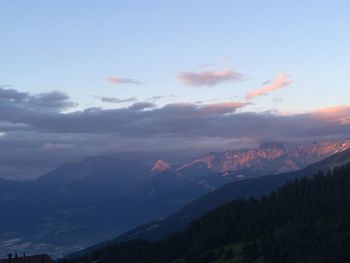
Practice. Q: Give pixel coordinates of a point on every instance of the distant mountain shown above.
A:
(270, 157)
(240, 189)
(214, 170)
(160, 166)
(104, 194)
(111, 196)
(306, 220)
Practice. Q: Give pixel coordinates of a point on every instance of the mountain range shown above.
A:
(305, 220)
(254, 187)
(112, 196)
(270, 157)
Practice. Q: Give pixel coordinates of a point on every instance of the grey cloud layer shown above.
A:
(37, 138)
(145, 119)
(180, 119)
(115, 100)
(56, 100)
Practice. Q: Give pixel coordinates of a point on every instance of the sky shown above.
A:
(82, 78)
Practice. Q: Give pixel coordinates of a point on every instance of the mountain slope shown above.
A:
(307, 220)
(242, 189)
(102, 193)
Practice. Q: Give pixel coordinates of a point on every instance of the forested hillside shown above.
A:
(307, 220)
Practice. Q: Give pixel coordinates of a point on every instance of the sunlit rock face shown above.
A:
(160, 166)
(317, 151)
(273, 154)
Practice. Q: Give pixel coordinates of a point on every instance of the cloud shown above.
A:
(179, 119)
(12, 95)
(5, 85)
(336, 114)
(280, 81)
(117, 80)
(156, 98)
(142, 106)
(54, 100)
(223, 107)
(277, 100)
(38, 139)
(115, 100)
(207, 78)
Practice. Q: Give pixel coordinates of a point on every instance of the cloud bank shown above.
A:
(37, 134)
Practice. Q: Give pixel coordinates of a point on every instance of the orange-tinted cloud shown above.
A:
(117, 80)
(280, 81)
(336, 114)
(207, 78)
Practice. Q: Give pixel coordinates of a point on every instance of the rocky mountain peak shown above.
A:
(269, 154)
(160, 166)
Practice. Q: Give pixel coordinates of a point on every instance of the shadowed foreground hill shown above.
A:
(307, 220)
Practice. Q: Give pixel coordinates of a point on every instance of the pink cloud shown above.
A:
(336, 114)
(117, 80)
(207, 78)
(280, 81)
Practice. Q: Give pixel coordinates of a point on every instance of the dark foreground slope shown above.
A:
(255, 187)
(307, 220)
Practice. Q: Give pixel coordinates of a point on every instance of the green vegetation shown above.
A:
(307, 220)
